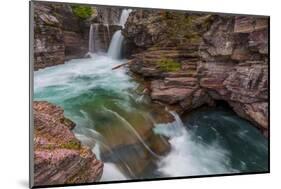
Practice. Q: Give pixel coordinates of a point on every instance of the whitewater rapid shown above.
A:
(189, 157)
(105, 107)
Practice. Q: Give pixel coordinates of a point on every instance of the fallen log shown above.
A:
(121, 65)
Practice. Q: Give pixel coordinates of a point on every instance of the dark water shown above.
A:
(119, 125)
(247, 147)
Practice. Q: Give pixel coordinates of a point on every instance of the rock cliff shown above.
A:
(57, 35)
(196, 59)
(60, 35)
(59, 158)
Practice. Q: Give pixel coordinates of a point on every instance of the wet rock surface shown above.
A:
(219, 57)
(59, 157)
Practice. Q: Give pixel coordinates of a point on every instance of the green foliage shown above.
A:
(168, 65)
(82, 11)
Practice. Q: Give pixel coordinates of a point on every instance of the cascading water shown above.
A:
(93, 38)
(115, 122)
(108, 31)
(91, 44)
(124, 16)
(198, 158)
(114, 50)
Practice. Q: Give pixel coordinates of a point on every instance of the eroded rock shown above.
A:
(58, 35)
(225, 58)
(59, 157)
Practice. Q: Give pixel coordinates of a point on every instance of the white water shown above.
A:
(93, 38)
(108, 31)
(91, 44)
(82, 76)
(189, 158)
(67, 82)
(124, 16)
(112, 173)
(114, 50)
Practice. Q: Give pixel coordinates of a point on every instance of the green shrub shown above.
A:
(82, 11)
(168, 65)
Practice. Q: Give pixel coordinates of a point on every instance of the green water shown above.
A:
(118, 123)
(247, 147)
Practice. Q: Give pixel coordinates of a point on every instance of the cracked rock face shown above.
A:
(227, 59)
(59, 157)
(58, 35)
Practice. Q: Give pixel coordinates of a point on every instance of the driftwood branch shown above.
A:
(121, 65)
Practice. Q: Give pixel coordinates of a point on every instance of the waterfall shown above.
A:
(108, 33)
(114, 50)
(91, 43)
(93, 38)
(124, 16)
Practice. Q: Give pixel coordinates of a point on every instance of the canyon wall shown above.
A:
(59, 157)
(196, 59)
(60, 35)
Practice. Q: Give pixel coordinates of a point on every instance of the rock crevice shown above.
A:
(204, 59)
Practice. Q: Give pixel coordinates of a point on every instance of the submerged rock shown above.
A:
(59, 157)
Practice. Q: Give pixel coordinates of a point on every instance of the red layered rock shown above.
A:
(60, 35)
(57, 35)
(59, 157)
(223, 58)
(170, 95)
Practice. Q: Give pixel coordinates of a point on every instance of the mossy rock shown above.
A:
(72, 144)
(168, 65)
(82, 11)
(187, 28)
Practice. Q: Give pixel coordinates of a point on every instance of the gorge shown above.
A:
(160, 115)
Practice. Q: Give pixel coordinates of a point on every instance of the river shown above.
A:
(118, 123)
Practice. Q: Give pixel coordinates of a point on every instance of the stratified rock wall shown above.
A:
(196, 59)
(108, 15)
(59, 157)
(58, 35)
